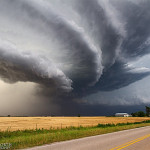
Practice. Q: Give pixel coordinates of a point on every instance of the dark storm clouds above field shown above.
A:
(74, 56)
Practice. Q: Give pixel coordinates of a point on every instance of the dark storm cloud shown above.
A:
(100, 28)
(136, 16)
(16, 66)
(117, 76)
(86, 59)
(88, 44)
(96, 110)
(120, 75)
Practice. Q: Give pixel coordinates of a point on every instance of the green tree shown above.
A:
(147, 111)
(134, 114)
(138, 114)
(79, 115)
(141, 114)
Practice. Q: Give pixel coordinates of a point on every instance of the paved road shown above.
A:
(133, 139)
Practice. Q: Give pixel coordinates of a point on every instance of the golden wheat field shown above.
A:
(21, 123)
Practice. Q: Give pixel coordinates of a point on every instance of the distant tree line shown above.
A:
(142, 113)
(138, 114)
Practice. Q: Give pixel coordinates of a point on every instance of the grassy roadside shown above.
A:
(30, 138)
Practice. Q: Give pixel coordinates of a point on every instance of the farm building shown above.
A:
(122, 115)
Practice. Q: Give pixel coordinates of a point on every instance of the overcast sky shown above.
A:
(64, 57)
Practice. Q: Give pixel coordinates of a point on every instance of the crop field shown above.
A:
(34, 131)
(22, 123)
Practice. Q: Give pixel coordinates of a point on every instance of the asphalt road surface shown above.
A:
(133, 139)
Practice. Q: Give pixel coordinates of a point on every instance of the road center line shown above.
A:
(130, 143)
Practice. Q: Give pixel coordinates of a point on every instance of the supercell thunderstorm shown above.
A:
(75, 47)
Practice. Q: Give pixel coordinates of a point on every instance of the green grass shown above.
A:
(30, 138)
